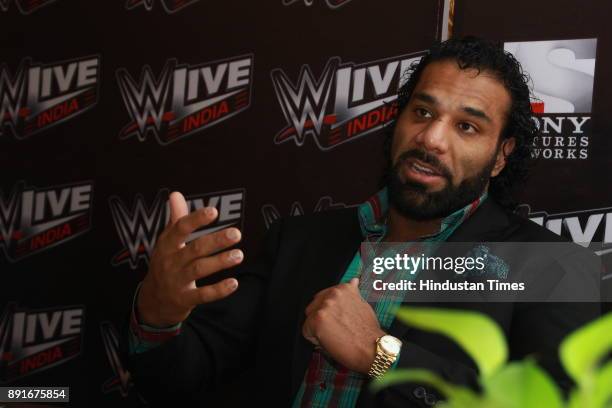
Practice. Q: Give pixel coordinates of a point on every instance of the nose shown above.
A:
(434, 136)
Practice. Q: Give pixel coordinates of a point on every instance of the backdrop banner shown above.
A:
(261, 109)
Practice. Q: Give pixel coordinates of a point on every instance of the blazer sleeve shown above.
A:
(537, 331)
(455, 367)
(538, 328)
(216, 340)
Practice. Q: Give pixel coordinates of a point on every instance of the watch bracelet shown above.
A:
(382, 363)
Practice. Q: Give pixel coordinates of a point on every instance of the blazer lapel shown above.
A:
(488, 224)
(328, 256)
(330, 253)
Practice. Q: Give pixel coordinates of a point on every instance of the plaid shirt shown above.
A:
(327, 383)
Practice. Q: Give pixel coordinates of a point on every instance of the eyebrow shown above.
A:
(425, 97)
(476, 113)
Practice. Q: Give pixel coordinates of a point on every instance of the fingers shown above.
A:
(317, 303)
(354, 285)
(212, 293)
(325, 298)
(206, 266)
(328, 295)
(319, 297)
(308, 334)
(178, 206)
(178, 233)
(209, 244)
(314, 305)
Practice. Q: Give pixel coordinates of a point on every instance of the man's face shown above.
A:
(446, 144)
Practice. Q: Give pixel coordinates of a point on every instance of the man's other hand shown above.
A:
(344, 325)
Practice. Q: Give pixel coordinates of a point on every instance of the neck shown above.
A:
(402, 229)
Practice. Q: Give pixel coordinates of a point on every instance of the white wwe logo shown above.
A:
(145, 100)
(305, 102)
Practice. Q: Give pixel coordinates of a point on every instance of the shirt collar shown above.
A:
(373, 214)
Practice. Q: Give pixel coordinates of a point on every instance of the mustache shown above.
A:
(426, 158)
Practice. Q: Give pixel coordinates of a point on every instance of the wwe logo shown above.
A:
(34, 340)
(589, 228)
(25, 6)
(121, 380)
(139, 228)
(304, 105)
(330, 3)
(145, 100)
(11, 96)
(346, 102)
(40, 96)
(171, 6)
(270, 213)
(185, 99)
(33, 220)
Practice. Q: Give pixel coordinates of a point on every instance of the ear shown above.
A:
(506, 148)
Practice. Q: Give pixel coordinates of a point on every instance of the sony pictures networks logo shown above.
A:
(562, 74)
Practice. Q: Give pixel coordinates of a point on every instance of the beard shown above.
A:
(412, 200)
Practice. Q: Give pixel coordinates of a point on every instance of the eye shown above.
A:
(422, 113)
(466, 127)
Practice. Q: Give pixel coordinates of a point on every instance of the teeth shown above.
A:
(422, 169)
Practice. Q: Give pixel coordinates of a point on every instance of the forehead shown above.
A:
(456, 88)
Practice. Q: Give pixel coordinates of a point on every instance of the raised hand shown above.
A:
(169, 292)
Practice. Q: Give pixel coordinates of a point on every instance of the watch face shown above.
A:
(390, 345)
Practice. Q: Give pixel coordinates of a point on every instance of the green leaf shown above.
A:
(577, 399)
(523, 385)
(603, 386)
(582, 350)
(476, 333)
(457, 396)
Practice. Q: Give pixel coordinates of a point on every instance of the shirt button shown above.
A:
(419, 392)
(430, 399)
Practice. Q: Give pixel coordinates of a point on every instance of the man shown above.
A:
(461, 140)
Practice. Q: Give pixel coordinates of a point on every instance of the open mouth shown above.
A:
(419, 168)
(418, 171)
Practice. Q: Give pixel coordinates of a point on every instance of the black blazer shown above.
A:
(260, 325)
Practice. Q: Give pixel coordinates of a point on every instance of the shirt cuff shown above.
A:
(143, 338)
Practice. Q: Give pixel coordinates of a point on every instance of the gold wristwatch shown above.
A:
(387, 350)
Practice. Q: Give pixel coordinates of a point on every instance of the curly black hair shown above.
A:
(483, 55)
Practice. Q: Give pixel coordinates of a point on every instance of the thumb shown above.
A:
(178, 206)
(354, 283)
